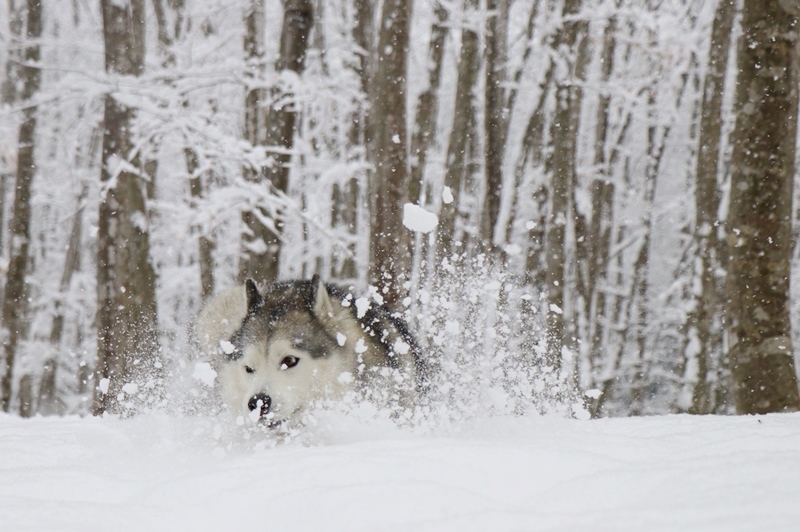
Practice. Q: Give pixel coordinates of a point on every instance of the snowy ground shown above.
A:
(159, 472)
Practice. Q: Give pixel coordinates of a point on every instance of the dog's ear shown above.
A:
(254, 299)
(321, 301)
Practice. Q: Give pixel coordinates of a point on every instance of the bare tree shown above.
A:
(760, 218)
(261, 244)
(390, 242)
(14, 307)
(127, 345)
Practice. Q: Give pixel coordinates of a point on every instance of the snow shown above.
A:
(204, 373)
(227, 347)
(361, 347)
(341, 339)
(447, 195)
(418, 219)
(362, 306)
(167, 472)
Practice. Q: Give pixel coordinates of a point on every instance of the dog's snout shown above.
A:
(260, 401)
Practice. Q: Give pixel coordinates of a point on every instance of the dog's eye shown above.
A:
(289, 362)
(248, 369)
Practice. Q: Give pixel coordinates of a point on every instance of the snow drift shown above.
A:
(164, 472)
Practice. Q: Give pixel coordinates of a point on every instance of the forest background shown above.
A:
(586, 161)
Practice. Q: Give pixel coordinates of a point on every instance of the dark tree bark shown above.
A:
(261, 246)
(127, 346)
(390, 242)
(495, 116)
(706, 317)
(760, 218)
(13, 305)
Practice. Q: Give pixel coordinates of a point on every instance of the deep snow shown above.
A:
(165, 472)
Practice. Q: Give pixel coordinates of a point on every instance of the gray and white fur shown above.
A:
(283, 346)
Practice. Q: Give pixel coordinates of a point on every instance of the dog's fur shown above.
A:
(281, 347)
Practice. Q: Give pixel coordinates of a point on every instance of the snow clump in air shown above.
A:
(204, 373)
(418, 219)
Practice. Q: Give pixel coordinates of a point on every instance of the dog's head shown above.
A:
(295, 346)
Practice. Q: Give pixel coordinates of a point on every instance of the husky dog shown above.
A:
(281, 347)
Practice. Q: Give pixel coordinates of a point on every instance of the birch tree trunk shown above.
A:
(390, 242)
(127, 346)
(760, 218)
(14, 307)
(261, 251)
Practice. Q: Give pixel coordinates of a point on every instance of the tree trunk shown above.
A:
(708, 299)
(345, 196)
(760, 218)
(254, 133)
(48, 402)
(600, 227)
(428, 105)
(170, 21)
(390, 242)
(127, 350)
(564, 134)
(495, 116)
(461, 137)
(205, 243)
(14, 307)
(26, 406)
(261, 250)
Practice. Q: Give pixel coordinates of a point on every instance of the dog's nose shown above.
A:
(260, 401)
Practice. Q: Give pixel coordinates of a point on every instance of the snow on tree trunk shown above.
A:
(127, 345)
(760, 218)
(564, 136)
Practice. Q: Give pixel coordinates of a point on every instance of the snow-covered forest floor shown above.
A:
(169, 472)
